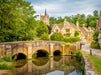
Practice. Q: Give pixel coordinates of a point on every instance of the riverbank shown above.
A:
(88, 70)
(94, 60)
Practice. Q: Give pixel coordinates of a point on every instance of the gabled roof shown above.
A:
(59, 25)
(81, 29)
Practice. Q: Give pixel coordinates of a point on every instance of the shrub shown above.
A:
(2, 60)
(72, 39)
(67, 34)
(56, 37)
(95, 35)
(44, 36)
(78, 54)
(76, 33)
(6, 66)
(94, 44)
(8, 58)
(34, 55)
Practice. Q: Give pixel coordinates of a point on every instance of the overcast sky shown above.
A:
(63, 8)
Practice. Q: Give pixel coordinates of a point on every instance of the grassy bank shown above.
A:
(6, 63)
(96, 62)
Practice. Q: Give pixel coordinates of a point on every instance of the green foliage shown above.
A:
(56, 37)
(78, 54)
(67, 34)
(67, 44)
(5, 66)
(2, 60)
(8, 58)
(58, 20)
(96, 62)
(34, 55)
(72, 39)
(42, 28)
(89, 21)
(95, 13)
(76, 33)
(95, 35)
(16, 20)
(44, 36)
(95, 45)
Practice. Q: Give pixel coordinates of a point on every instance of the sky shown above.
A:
(56, 8)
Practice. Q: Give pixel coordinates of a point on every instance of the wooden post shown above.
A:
(90, 51)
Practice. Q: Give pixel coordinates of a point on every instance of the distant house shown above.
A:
(85, 33)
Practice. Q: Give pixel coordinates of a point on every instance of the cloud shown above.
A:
(63, 8)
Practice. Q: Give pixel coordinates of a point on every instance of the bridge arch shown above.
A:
(41, 53)
(18, 56)
(57, 52)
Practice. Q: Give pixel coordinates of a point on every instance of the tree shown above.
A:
(44, 36)
(95, 13)
(56, 37)
(76, 33)
(95, 35)
(52, 21)
(17, 20)
(42, 28)
(93, 24)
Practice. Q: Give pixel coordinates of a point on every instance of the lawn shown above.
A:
(96, 61)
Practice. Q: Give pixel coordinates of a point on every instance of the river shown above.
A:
(57, 65)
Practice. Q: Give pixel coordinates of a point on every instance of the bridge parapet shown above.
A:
(30, 47)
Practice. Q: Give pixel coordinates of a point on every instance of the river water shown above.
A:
(58, 65)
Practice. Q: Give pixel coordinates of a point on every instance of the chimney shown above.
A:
(83, 25)
(65, 21)
(77, 23)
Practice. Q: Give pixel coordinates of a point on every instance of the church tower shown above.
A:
(45, 18)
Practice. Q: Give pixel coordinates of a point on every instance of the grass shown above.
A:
(96, 62)
(8, 58)
(5, 66)
(2, 60)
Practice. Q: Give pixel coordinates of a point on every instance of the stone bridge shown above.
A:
(28, 48)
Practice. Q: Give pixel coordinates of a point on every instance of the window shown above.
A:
(67, 30)
(56, 30)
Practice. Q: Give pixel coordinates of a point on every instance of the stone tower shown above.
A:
(45, 18)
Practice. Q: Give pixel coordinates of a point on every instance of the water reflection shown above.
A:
(49, 66)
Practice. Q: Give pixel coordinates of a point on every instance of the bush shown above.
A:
(76, 33)
(34, 55)
(8, 58)
(6, 66)
(67, 34)
(44, 36)
(67, 44)
(95, 45)
(95, 35)
(72, 39)
(56, 37)
(2, 60)
(78, 54)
